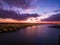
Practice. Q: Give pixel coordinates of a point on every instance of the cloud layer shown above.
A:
(24, 4)
(18, 9)
(55, 17)
(13, 15)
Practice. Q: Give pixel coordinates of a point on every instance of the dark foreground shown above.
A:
(32, 35)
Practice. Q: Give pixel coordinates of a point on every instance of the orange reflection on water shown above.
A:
(35, 31)
(30, 31)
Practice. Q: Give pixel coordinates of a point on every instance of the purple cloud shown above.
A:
(19, 3)
(55, 17)
(14, 15)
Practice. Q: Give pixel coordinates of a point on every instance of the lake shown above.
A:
(34, 35)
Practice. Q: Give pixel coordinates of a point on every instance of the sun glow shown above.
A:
(8, 20)
(36, 19)
(32, 20)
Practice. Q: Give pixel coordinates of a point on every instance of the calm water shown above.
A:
(35, 35)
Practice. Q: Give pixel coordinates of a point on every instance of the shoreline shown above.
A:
(4, 27)
(10, 27)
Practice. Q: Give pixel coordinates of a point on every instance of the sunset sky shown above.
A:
(29, 10)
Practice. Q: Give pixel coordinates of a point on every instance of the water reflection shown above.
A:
(35, 31)
(41, 34)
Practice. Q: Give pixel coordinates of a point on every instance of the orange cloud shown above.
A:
(7, 20)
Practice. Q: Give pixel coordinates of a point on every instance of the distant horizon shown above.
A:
(41, 22)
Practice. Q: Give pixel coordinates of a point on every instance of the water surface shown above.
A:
(34, 35)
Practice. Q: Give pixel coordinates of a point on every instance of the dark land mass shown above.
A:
(59, 40)
(55, 26)
(9, 27)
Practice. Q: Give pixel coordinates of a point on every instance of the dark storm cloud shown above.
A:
(14, 15)
(19, 3)
(55, 17)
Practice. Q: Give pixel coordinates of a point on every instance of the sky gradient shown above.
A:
(26, 9)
